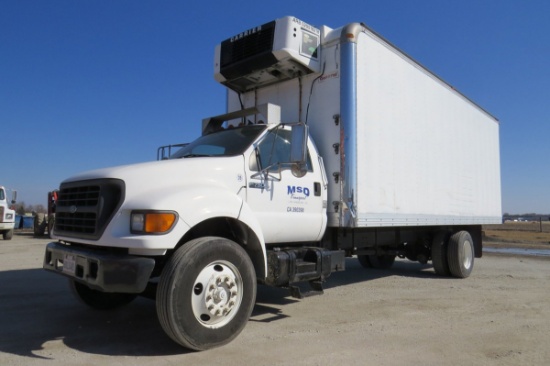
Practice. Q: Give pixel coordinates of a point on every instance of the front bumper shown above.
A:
(6, 225)
(100, 271)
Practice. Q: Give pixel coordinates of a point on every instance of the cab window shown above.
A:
(274, 150)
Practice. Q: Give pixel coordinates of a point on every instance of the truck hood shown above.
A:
(197, 189)
(146, 179)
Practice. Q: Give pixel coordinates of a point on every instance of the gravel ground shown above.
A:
(404, 316)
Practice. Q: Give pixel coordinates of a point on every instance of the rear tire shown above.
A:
(440, 246)
(460, 254)
(99, 300)
(206, 293)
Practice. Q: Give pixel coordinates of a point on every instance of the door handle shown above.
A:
(317, 189)
(256, 185)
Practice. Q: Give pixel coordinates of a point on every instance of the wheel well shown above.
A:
(234, 230)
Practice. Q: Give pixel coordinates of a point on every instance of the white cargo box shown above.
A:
(401, 147)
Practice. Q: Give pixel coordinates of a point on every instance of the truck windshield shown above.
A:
(226, 142)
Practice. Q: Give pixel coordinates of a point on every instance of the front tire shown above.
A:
(8, 234)
(99, 300)
(206, 293)
(460, 254)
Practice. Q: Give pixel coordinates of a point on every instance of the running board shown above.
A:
(316, 289)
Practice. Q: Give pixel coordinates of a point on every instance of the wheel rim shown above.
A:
(468, 254)
(217, 294)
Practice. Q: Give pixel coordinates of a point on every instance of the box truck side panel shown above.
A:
(426, 154)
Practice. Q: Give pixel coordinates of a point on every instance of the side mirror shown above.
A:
(13, 197)
(298, 144)
(298, 150)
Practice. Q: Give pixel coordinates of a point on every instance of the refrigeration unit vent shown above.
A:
(276, 51)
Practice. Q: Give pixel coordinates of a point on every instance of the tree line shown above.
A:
(21, 208)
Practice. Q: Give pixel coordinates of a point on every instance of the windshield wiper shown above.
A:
(194, 156)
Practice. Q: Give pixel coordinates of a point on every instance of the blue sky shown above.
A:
(88, 84)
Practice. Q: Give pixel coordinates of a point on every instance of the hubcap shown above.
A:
(217, 294)
(468, 254)
(221, 295)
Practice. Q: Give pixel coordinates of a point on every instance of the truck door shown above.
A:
(289, 208)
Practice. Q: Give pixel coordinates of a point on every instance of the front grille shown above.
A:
(84, 223)
(84, 208)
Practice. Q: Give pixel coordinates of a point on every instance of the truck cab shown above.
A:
(7, 215)
(251, 187)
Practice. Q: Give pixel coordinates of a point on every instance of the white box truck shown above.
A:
(7, 215)
(335, 145)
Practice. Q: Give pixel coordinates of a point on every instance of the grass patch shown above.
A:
(523, 234)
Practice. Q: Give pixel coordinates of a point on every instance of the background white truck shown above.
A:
(7, 215)
(335, 144)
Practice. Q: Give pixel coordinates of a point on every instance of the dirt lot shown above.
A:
(498, 316)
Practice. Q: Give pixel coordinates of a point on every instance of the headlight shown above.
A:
(152, 222)
(9, 216)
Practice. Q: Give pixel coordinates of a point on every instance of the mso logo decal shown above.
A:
(297, 192)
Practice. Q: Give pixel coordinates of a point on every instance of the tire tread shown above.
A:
(166, 308)
(455, 256)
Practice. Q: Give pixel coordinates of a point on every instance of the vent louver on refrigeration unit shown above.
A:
(276, 51)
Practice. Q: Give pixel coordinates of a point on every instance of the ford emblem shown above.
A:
(72, 209)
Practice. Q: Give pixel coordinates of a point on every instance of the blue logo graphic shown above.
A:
(297, 192)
